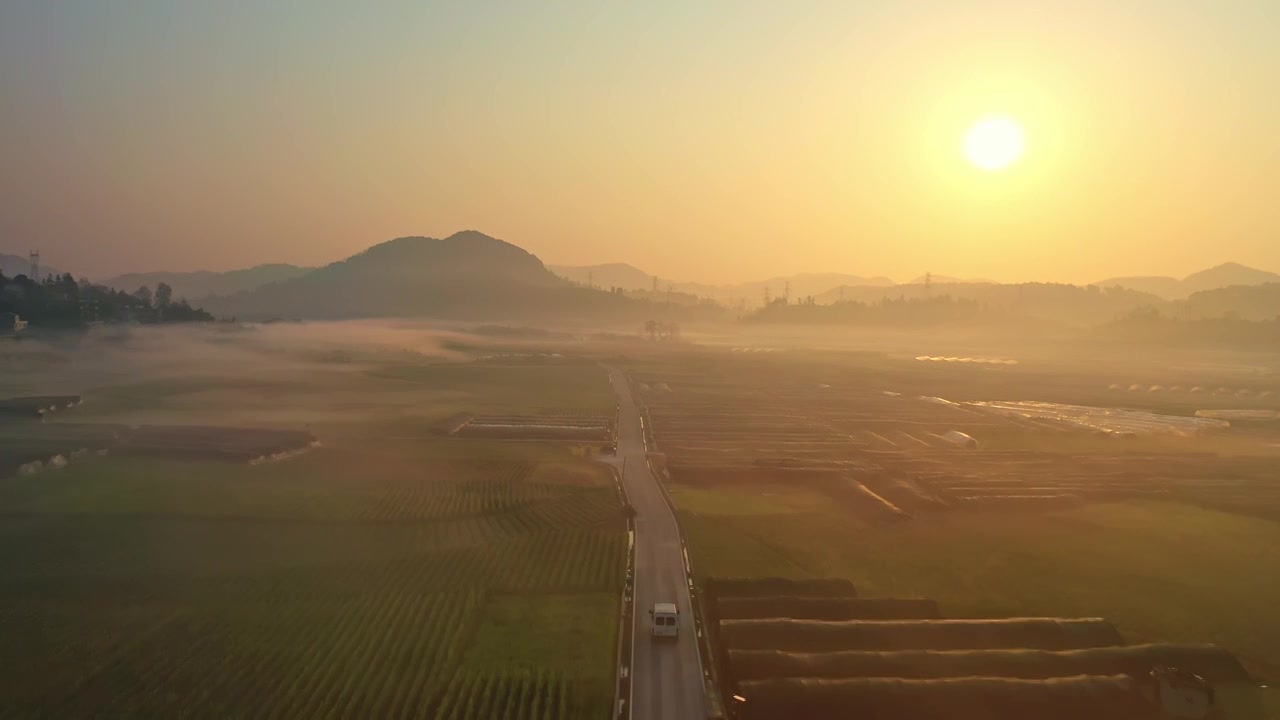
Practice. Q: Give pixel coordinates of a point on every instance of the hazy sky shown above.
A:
(706, 140)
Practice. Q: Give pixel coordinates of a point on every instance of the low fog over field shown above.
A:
(280, 372)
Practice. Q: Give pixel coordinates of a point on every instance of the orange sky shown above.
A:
(728, 141)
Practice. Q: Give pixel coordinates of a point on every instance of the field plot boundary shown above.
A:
(626, 614)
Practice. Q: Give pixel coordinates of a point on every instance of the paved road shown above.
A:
(666, 678)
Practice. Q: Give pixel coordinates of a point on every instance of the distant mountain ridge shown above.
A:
(1220, 276)
(830, 287)
(629, 277)
(609, 275)
(203, 283)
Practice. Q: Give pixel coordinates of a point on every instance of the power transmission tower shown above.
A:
(34, 258)
(767, 299)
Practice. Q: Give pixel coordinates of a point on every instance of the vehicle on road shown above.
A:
(666, 620)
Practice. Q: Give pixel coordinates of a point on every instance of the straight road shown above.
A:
(666, 676)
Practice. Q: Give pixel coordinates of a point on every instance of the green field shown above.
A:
(1161, 572)
(537, 641)
(390, 572)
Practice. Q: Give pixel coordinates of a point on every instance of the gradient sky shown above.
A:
(716, 140)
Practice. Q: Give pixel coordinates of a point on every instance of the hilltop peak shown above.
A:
(1225, 275)
(472, 236)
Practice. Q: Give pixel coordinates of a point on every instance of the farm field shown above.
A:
(1124, 561)
(810, 465)
(391, 571)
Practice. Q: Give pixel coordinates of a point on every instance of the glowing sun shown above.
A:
(994, 143)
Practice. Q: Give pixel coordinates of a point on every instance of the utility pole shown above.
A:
(786, 292)
(767, 299)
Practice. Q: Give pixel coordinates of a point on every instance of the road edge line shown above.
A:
(711, 685)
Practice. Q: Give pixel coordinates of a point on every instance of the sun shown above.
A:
(994, 143)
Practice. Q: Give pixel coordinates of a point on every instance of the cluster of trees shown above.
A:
(1145, 324)
(1051, 302)
(658, 330)
(1151, 326)
(64, 302)
(668, 297)
(900, 311)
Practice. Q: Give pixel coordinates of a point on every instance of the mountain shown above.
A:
(1226, 275)
(14, 265)
(466, 276)
(1221, 276)
(203, 283)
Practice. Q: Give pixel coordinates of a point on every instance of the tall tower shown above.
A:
(786, 292)
(34, 258)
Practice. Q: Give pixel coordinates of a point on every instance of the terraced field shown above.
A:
(812, 648)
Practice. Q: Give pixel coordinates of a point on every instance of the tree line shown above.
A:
(63, 302)
(887, 311)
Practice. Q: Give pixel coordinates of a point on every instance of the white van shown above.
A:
(666, 620)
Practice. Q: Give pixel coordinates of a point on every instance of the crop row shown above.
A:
(431, 497)
(512, 695)
(580, 559)
(387, 645)
(346, 640)
(387, 655)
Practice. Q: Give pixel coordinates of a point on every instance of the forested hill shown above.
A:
(60, 303)
(468, 275)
